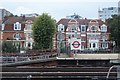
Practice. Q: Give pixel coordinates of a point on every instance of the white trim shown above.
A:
(17, 25)
(93, 41)
(83, 34)
(72, 33)
(103, 28)
(93, 33)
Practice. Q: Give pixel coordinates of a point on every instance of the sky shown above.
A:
(58, 8)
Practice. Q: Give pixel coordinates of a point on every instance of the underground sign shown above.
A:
(76, 44)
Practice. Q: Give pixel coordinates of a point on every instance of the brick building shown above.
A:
(19, 31)
(15, 29)
(94, 34)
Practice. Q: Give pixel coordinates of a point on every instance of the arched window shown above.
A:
(29, 44)
(93, 29)
(93, 45)
(16, 36)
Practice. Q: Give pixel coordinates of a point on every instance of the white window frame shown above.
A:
(60, 27)
(17, 26)
(103, 28)
(104, 45)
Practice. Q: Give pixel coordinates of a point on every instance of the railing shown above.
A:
(26, 58)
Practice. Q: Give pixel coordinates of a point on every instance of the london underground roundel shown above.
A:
(76, 44)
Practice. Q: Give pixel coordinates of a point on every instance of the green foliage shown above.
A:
(8, 46)
(43, 31)
(114, 25)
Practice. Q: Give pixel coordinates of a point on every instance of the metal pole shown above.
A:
(76, 38)
(59, 42)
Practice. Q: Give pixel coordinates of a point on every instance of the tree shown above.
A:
(43, 31)
(114, 25)
(8, 46)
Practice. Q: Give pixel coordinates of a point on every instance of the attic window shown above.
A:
(103, 28)
(17, 26)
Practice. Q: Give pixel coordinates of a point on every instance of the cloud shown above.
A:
(23, 10)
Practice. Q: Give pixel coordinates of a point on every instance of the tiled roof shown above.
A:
(12, 20)
(9, 23)
(65, 21)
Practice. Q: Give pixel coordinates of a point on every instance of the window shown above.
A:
(69, 37)
(83, 39)
(104, 45)
(82, 47)
(93, 29)
(94, 45)
(90, 45)
(60, 27)
(73, 29)
(104, 37)
(83, 28)
(17, 26)
(29, 44)
(16, 36)
(73, 36)
(103, 28)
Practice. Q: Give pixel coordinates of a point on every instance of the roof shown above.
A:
(12, 20)
(86, 22)
(65, 21)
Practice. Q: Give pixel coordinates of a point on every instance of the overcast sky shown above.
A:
(58, 8)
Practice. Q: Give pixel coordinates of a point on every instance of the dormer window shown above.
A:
(17, 26)
(103, 28)
(60, 27)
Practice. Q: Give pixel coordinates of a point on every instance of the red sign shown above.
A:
(75, 44)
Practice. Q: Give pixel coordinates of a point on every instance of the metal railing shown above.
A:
(20, 59)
